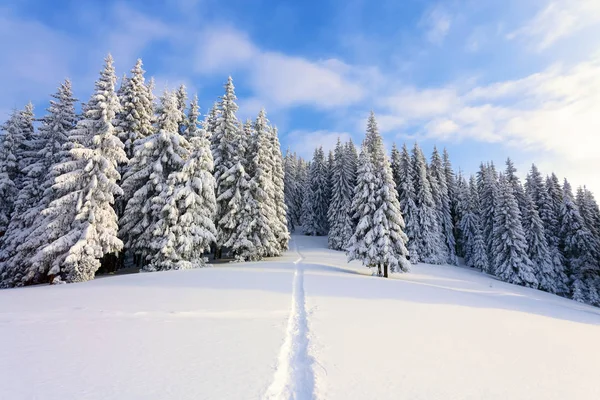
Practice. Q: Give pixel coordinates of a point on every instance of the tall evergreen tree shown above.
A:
(408, 207)
(155, 158)
(185, 229)
(290, 186)
(87, 188)
(487, 184)
(538, 251)
(27, 232)
(444, 206)
(461, 200)
(379, 240)
(262, 190)
(282, 234)
(428, 237)
(340, 220)
(226, 153)
(10, 173)
(302, 168)
(470, 226)
(316, 204)
(509, 245)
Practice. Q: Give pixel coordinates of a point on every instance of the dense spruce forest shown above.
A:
(137, 181)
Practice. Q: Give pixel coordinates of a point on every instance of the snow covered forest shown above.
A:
(132, 180)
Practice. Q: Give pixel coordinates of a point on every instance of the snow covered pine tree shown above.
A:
(379, 240)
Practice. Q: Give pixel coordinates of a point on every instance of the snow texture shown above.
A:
(310, 330)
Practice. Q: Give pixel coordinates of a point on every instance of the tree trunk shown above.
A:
(217, 253)
(378, 269)
(385, 270)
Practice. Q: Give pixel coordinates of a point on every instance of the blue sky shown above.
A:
(485, 79)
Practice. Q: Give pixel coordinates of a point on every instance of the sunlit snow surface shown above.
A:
(303, 326)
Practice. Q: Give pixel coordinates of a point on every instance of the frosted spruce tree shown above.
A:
(302, 169)
(487, 184)
(185, 229)
(427, 233)
(262, 191)
(444, 206)
(470, 226)
(538, 252)
(10, 173)
(135, 120)
(27, 232)
(340, 220)
(225, 147)
(462, 194)
(87, 188)
(379, 240)
(280, 225)
(155, 158)
(548, 200)
(315, 206)
(451, 183)
(579, 249)
(509, 246)
(291, 187)
(405, 178)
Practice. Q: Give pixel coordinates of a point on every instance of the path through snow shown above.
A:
(294, 377)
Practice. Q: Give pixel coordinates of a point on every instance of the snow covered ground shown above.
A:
(303, 326)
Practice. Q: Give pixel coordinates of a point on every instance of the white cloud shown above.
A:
(223, 49)
(558, 19)
(437, 21)
(555, 113)
(421, 103)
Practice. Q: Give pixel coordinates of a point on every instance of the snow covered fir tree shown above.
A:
(127, 180)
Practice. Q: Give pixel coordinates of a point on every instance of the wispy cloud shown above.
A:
(558, 19)
(437, 22)
(555, 112)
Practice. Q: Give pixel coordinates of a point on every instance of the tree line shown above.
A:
(388, 211)
(148, 181)
(132, 176)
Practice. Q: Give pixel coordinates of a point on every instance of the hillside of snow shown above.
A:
(307, 325)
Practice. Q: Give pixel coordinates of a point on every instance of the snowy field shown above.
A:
(303, 326)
